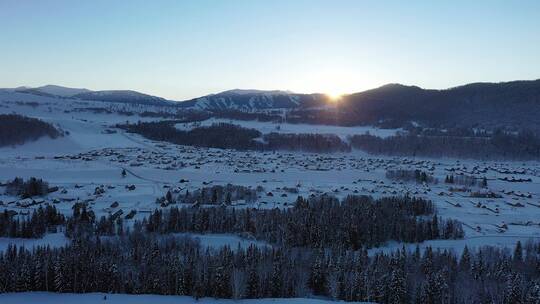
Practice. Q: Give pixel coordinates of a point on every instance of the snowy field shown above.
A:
(98, 298)
(217, 241)
(94, 153)
(50, 239)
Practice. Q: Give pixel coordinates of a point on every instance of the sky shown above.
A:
(182, 49)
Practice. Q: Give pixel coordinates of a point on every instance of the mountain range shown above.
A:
(121, 96)
(515, 103)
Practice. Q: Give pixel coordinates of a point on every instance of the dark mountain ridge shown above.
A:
(515, 103)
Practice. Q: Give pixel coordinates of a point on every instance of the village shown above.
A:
(489, 198)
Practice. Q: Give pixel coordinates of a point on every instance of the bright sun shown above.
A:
(334, 96)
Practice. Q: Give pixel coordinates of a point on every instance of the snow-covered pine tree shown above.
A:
(398, 287)
(59, 279)
(513, 293)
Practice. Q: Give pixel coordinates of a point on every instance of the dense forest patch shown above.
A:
(29, 188)
(140, 261)
(318, 222)
(17, 129)
(229, 136)
(224, 136)
(500, 145)
(41, 221)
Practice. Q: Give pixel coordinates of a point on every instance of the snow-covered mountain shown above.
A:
(252, 91)
(118, 96)
(123, 96)
(53, 90)
(252, 100)
(491, 105)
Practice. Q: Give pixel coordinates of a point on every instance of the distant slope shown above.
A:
(123, 96)
(254, 100)
(388, 102)
(515, 103)
(508, 102)
(52, 90)
(61, 91)
(120, 96)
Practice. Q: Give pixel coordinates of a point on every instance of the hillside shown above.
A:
(489, 105)
(117, 96)
(122, 96)
(255, 100)
(510, 105)
(18, 129)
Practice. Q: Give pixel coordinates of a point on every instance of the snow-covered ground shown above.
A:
(50, 239)
(217, 241)
(86, 129)
(476, 242)
(95, 298)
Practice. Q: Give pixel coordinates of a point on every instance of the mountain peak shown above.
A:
(398, 86)
(122, 96)
(52, 90)
(60, 90)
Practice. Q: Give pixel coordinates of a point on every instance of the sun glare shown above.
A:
(333, 96)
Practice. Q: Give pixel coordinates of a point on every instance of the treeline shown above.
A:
(461, 143)
(320, 222)
(223, 136)
(229, 136)
(500, 145)
(417, 175)
(305, 142)
(333, 117)
(41, 221)
(214, 195)
(26, 189)
(239, 115)
(144, 263)
(448, 132)
(17, 129)
(83, 222)
(466, 180)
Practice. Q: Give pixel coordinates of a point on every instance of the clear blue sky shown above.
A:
(182, 49)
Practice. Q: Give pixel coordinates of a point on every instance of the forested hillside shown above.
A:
(319, 247)
(485, 105)
(18, 129)
(229, 136)
(501, 145)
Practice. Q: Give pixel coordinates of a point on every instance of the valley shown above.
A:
(125, 179)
